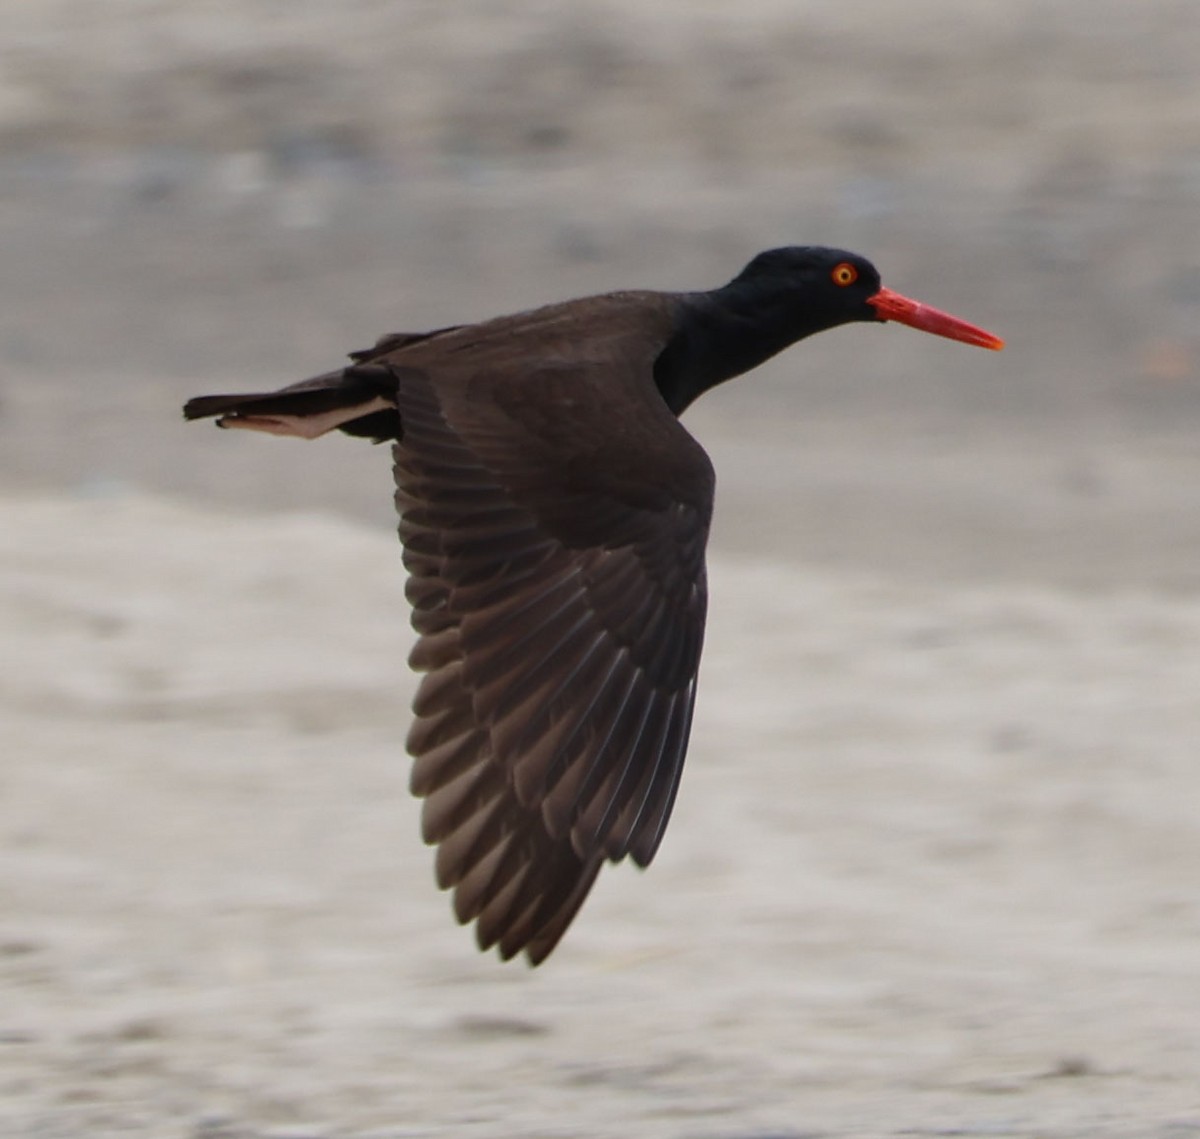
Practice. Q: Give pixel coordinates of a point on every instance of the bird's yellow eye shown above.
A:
(844, 274)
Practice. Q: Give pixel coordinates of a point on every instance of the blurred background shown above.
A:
(933, 866)
(215, 195)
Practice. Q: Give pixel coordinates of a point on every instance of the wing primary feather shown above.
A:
(461, 850)
(451, 805)
(436, 766)
(483, 630)
(567, 771)
(435, 650)
(439, 690)
(511, 692)
(492, 861)
(536, 746)
(486, 584)
(646, 843)
(539, 946)
(627, 824)
(597, 769)
(430, 731)
(596, 817)
(497, 915)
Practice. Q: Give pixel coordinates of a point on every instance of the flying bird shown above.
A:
(554, 515)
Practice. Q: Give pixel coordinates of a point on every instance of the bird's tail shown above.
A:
(360, 400)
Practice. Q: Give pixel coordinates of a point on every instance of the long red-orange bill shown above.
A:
(903, 310)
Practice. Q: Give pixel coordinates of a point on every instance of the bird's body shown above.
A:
(554, 515)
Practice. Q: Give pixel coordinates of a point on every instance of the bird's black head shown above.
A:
(782, 296)
(823, 287)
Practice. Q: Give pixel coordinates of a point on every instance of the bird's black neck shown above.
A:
(725, 332)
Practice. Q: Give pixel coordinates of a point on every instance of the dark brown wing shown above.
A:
(556, 561)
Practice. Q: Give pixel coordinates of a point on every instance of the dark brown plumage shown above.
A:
(554, 515)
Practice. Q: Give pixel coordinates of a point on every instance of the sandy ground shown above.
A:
(933, 870)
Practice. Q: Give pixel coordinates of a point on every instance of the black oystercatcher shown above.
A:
(554, 515)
